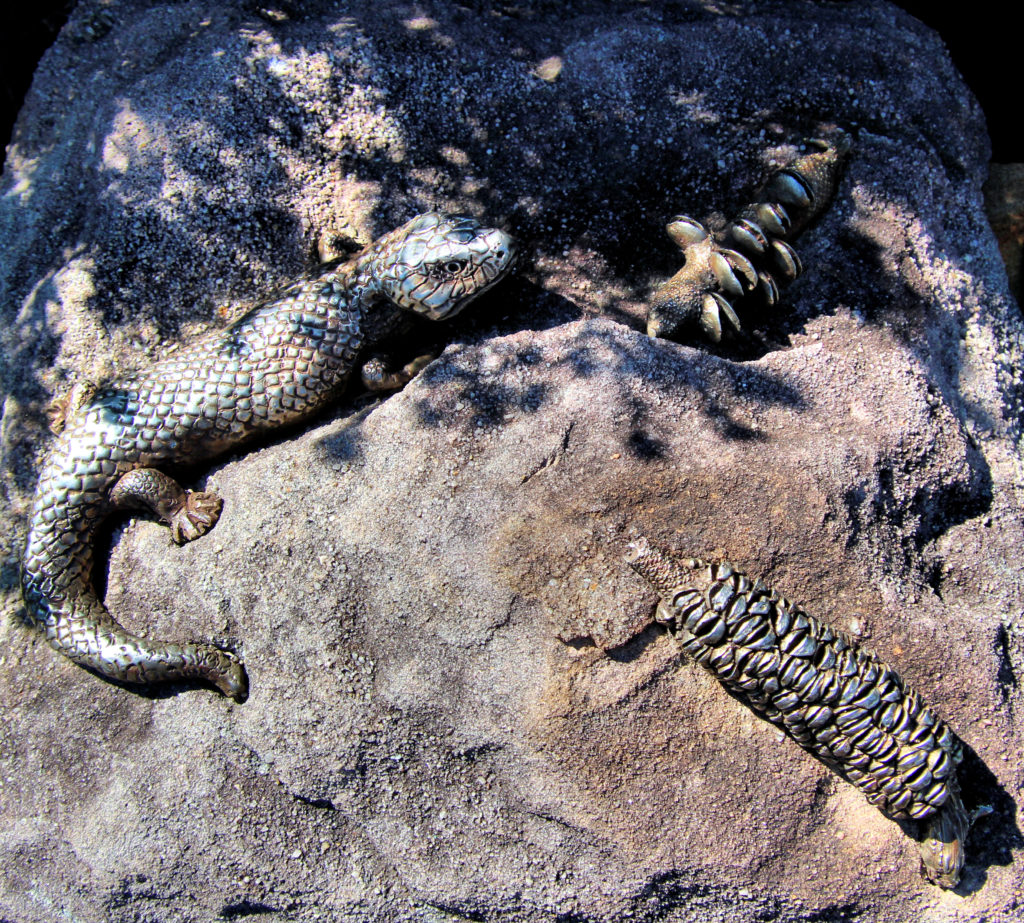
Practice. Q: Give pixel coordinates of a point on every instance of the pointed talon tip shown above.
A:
(723, 270)
(743, 266)
(710, 319)
(685, 231)
(787, 260)
(732, 317)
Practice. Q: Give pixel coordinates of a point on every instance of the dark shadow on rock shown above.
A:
(625, 359)
(517, 303)
(346, 445)
(930, 513)
(669, 892)
(169, 690)
(33, 348)
(952, 503)
(994, 837)
(645, 446)
(616, 211)
(247, 908)
(490, 400)
(635, 647)
(471, 911)
(1009, 651)
(712, 380)
(881, 282)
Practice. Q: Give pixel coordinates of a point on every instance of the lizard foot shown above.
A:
(189, 513)
(63, 408)
(377, 376)
(196, 515)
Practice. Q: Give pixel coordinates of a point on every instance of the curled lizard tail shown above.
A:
(80, 627)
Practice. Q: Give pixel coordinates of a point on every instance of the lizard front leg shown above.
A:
(378, 375)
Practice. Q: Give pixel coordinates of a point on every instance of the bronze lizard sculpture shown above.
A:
(279, 363)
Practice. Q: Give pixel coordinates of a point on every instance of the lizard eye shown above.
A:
(448, 269)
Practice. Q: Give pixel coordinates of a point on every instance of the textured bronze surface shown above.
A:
(751, 255)
(835, 699)
(281, 362)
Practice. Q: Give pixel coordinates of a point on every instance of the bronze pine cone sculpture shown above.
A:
(835, 699)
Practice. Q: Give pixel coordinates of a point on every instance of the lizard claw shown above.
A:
(378, 377)
(196, 516)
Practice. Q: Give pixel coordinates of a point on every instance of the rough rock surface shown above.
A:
(460, 709)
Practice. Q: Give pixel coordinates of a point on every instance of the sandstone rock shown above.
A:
(460, 709)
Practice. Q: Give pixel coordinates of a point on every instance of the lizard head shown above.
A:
(436, 264)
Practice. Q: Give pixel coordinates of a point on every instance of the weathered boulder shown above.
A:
(460, 708)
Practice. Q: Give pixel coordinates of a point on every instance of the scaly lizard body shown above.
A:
(280, 363)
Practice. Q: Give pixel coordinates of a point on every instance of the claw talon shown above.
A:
(685, 231)
(768, 288)
(747, 236)
(730, 315)
(786, 260)
(743, 266)
(723, 271)
(761, 258)
(772, 218)
(790, 188)
(710, 318)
